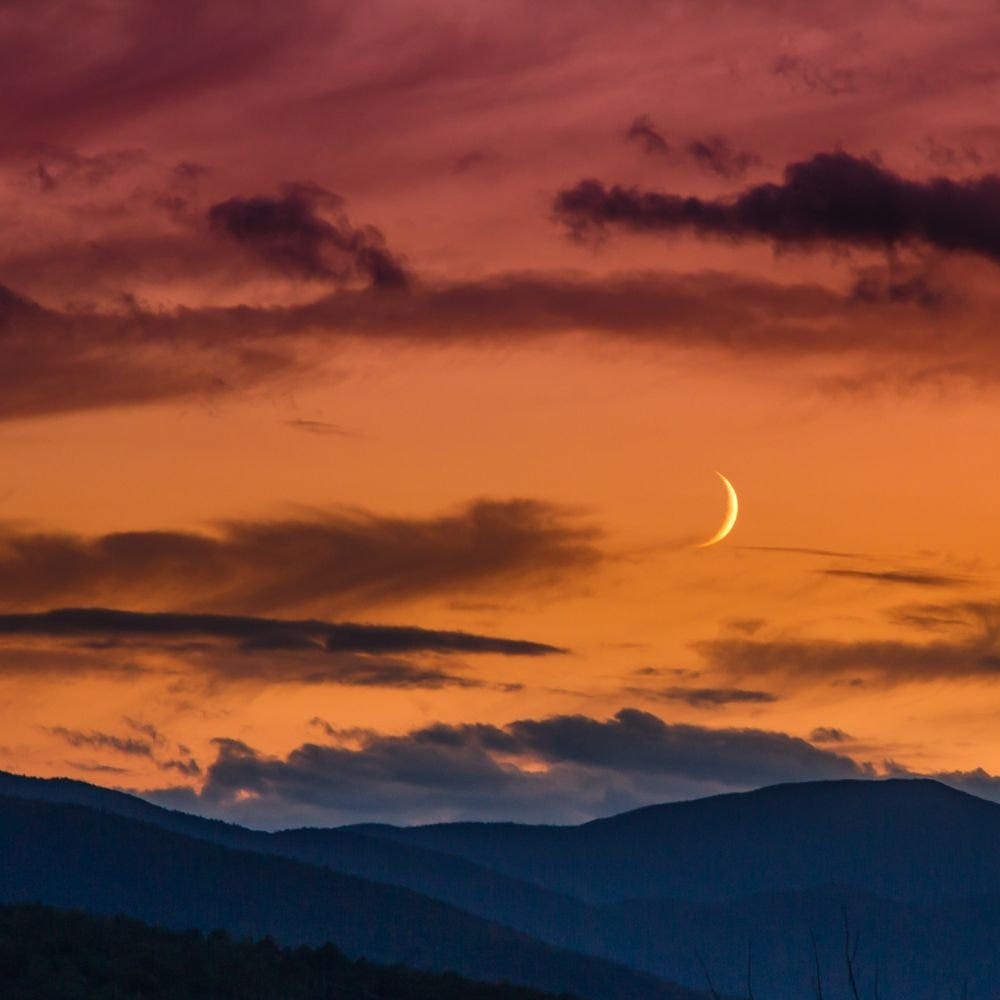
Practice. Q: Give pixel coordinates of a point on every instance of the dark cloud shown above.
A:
(829, 734)
(834, 198)
(104, 741)
(714, 154)
(343, 559)
(643, 131)
(305, 232)
(905, 577)
(637, 741)
(713, 697)
(719, 156)
(560, 769)
(224, 647)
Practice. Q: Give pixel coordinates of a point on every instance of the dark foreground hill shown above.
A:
(79, 857)
(48, 954)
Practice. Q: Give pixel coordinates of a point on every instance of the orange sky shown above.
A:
(296, 328)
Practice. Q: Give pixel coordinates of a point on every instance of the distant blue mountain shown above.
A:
(472, 887)
(903, 839)
(75, 856)
(909, 866)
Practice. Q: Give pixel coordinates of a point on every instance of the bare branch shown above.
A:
(708, 978)
(849, 955)
(819, 976)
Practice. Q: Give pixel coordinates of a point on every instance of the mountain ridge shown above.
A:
(946, 930)
(75, 856)
(789, 836)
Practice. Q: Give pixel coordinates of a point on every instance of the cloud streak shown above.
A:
(59, 361)
(829, 734)
(902, 577)
(969, 649)
(714, 697)
(256, 634)
(235, 648)
(883, 661)
(128, 745)
(346, 559)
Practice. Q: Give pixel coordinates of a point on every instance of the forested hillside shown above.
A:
(49, 954)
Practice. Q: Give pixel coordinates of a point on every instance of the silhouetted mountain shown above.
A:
(79, 857)
(73, 792)
(528, 907)
(48, 954)
(669, 886)
(902, 839)
(471, 887)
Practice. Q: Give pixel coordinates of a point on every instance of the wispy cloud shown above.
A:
(347, 559)
(911, 578)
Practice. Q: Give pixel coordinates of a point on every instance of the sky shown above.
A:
(366, 370)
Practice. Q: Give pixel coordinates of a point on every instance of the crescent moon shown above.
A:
(732, 511)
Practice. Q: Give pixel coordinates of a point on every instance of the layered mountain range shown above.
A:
(896, 883)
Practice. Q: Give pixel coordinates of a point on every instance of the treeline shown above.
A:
(49, 954)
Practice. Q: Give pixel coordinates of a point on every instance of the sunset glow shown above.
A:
(364, 371)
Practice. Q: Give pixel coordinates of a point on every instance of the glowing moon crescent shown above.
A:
(732, 511)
